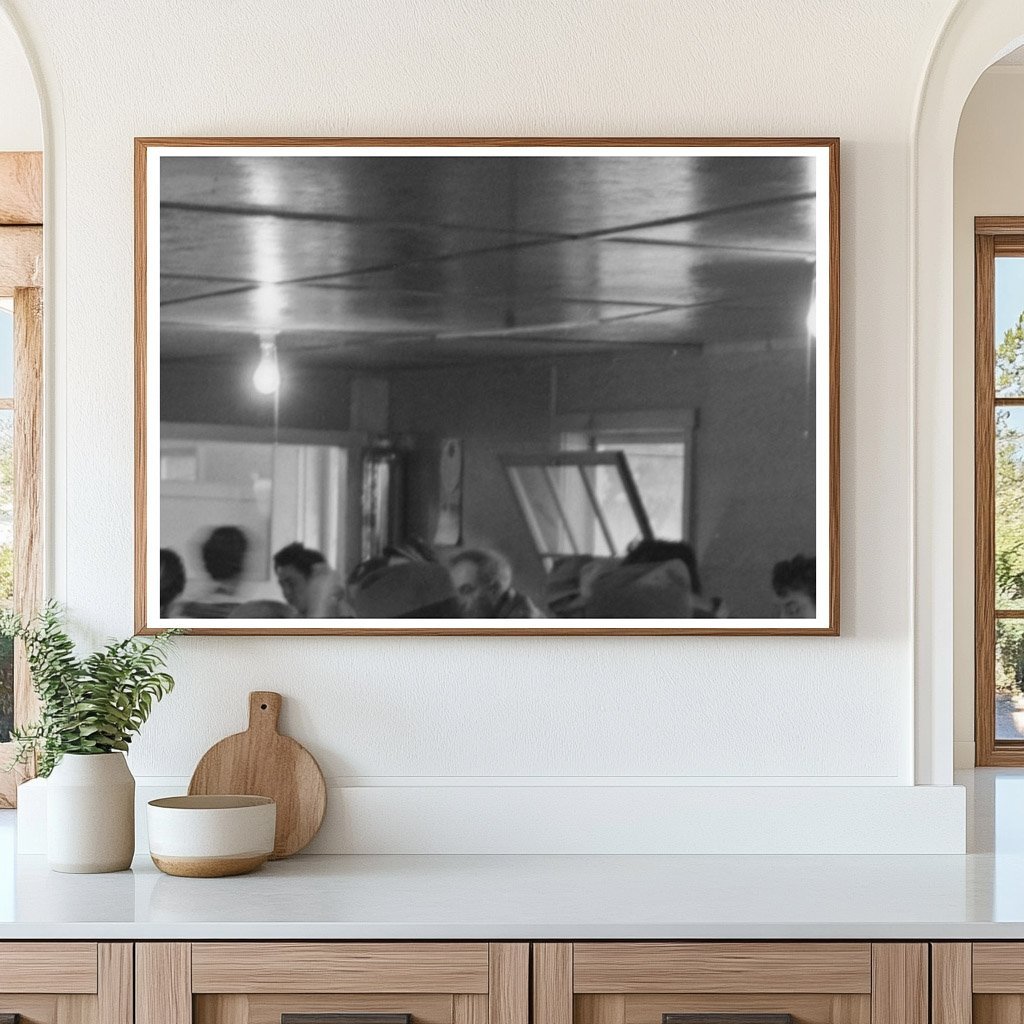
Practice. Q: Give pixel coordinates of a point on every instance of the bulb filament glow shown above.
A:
(266, 378)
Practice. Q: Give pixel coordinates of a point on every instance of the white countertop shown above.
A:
(978, 896)
(538, 897)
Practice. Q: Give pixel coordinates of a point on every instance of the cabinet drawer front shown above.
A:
(272, 1009)
(998, 967)
(806, 1008)
(304, 967)
(636, 967)
(52, 967)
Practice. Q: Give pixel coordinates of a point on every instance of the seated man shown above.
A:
(483, 581)
(309, 584)
(223, 554)
(664, 551)
(795, 583)
(642, 590)
(172, 581)
(402, 589)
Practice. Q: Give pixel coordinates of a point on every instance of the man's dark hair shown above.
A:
(224, 553)
(299, 557)
(796, 574)
(172, 576)
(665, 551)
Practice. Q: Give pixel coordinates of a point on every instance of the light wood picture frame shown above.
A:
(497, 386)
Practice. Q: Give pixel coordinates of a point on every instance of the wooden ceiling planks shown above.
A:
(370, 260)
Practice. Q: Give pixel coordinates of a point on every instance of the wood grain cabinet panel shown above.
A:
(66, 982)
(998, 967)
(734, 982)
(241, 1008)
(264, 982)
(978, 983)
(722, 967)
(340, 967)
(50, 967)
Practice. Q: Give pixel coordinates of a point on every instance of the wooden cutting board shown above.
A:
(262, 762)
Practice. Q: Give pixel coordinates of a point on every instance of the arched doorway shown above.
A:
(977, 33)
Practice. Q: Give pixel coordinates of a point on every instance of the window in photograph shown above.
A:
(229, 506)
(658, 467)
(579, 503)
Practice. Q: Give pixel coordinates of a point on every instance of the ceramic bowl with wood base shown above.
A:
(211, 836)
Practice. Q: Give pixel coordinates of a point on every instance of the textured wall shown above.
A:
(715, 710)
(21, 127)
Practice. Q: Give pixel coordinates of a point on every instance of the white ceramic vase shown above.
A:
(90, 814)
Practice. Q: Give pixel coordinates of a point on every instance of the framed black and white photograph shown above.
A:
(487, 386)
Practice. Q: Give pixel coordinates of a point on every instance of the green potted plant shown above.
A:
(90, 707)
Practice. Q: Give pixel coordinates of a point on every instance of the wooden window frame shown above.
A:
(21, 278)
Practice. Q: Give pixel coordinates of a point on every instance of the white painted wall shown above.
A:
(21, 126)
(689, 712)
(988, 182)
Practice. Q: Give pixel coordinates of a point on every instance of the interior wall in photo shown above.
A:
(750, 489)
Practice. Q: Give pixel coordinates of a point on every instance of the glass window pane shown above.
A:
(615, 504)
(588, 521)
(272, 494)
(580, 518)
(6, 352)
(657, 468)
(1009, 679)
(576, 504)
(540, 509)
(1009, 327)
(1009, 511)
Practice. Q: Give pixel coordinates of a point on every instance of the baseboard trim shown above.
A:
(715, 820)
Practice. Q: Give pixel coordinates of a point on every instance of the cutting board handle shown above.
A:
(264, 710)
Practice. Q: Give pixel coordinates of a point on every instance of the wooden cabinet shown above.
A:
(977, 983)
(381, 982)
(748, 982)
(498, 983)
(66, 982)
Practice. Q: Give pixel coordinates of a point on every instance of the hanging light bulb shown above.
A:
(266, 378)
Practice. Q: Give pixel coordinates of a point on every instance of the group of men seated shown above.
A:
(403, 582)
(654, 580)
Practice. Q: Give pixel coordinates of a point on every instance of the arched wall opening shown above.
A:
(21, 121)
(976, 35)
(987, 182)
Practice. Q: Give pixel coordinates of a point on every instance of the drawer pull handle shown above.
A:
(727, 1018)
(342, 1018)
